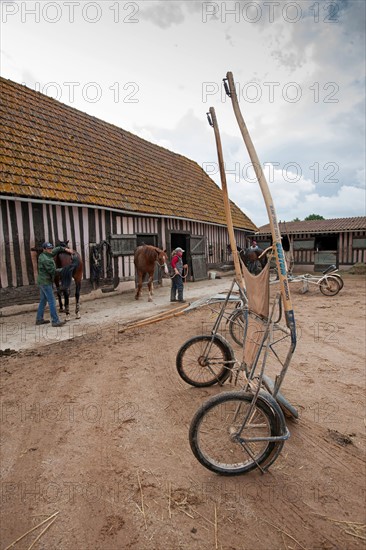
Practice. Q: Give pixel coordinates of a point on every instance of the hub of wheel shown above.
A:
(202, 361)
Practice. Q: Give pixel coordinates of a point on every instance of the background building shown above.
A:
(316, 244)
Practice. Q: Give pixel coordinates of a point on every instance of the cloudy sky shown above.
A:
(155, 68)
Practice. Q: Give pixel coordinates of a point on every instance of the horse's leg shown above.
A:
(150, 286)
(139, 286)
(258, 268)
(77, 299)
(151, 280)
(59, 296)
(67, 302)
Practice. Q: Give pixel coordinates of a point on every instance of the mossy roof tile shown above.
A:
(54, 151)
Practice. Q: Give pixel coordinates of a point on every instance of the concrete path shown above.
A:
(99, 312)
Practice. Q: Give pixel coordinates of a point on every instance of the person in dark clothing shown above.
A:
(46, 275)
(177, 276)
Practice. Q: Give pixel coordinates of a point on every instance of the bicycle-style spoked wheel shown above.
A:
(221, 444)
(339, 279)
(237, 323)
(245, 324)
(205, 360)
(330, 286)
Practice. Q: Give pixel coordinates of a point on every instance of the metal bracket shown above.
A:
(226, 86)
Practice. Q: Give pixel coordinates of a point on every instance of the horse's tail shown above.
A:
(67, 272)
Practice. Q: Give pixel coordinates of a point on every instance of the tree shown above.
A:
(314, 217)
(296, 220)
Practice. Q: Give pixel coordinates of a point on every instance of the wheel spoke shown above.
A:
(204, 360)
(222, 441)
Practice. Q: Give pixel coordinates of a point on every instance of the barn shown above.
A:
(316, 244)
(66, 175)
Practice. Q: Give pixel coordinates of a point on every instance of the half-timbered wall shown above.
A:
(216, 238)
(351, 247)
(24, 224)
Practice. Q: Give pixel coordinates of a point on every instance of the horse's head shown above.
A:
(65, 244)
(162, 260)
(229, 249)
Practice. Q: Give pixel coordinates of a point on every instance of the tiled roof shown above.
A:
(50, 151)
(335, 225)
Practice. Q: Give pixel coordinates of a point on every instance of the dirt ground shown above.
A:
(95, 429)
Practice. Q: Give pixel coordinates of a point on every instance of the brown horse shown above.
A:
(145, 258)
(252, 258)
(72, 269)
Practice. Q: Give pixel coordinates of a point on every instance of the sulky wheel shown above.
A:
(339, 279)
(220, 442)
(237, 324)
(330, 286)
(205, 360)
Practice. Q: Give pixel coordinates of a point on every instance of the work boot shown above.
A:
(59, 324)
(41, 322)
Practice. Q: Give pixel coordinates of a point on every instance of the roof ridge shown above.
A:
(94, 162)
(78, 112)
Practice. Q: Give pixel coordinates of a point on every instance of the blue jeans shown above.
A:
(177, 286)
(46, 293)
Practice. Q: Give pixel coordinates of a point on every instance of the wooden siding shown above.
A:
(26, 224)
(216, 238)
(305, 255)
(347, 253)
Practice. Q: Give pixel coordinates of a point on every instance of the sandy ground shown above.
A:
(95, 423)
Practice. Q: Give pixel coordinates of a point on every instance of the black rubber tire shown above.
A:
(339, 279)
(199, 370)
(237, 323)
(215, 411)
(330, 286)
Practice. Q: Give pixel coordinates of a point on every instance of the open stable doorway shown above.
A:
(326, 251)
(194, 255)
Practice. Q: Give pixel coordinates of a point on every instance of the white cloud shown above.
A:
(162, 14)
(294, 197)
(288, 189)
(177, 62)
(334, 207)
(360, 179)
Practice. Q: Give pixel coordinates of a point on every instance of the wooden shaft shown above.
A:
(229, 220)
(155, 318)
(276, 235)
(151, 321)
